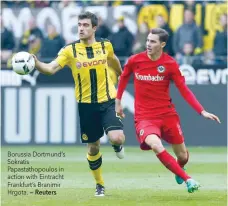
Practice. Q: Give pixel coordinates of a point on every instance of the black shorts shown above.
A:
(95, 118)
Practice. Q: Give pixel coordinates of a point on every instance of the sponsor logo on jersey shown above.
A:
(118, 116)
(161, 69)
(148, 77)
(94, 63)
(141, 132)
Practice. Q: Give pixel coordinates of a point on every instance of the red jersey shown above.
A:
(151, 84)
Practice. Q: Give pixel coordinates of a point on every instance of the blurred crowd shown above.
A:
(65, 3)
(185, 44)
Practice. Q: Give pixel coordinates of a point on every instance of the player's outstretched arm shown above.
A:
(210, 116)
(46, 68)
(115, 64)
(192, 100)
(124, 78)
(188, 95)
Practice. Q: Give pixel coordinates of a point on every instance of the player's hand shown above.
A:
(35, 58)
(119, 108)
(210, 116)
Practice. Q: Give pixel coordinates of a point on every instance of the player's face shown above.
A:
(153, 45)
(85, 29)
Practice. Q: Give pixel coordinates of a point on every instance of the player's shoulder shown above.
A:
(169, 60)
(69, 49)
(104, 41)
(69, 46)
(137, 57)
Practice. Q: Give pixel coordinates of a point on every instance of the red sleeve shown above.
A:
(124, 78)
(186, 93)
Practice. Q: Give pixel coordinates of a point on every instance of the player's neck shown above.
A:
(156, 56)
(88, 41)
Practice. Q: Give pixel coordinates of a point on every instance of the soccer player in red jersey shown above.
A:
(155, 115)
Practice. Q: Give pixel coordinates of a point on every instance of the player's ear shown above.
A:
(94, 28)
(163, 44)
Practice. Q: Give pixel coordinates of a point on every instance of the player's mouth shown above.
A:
(149, 50)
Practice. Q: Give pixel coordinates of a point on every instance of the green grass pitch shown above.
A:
(137, 180)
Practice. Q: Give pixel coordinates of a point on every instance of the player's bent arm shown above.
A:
(115, 64)
(47, 68)
(189, 97)
(186, 93)
(124, 78)
(192, 100)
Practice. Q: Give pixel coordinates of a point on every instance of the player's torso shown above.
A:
(151, 76)
(91, 73)
(151, 82)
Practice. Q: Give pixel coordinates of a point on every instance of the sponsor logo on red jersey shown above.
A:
(148, 77)
(141, 132)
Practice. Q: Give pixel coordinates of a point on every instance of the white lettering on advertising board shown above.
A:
(55, 115)
(65, 19)
(52, 115)
(204, 76)
(17, 115)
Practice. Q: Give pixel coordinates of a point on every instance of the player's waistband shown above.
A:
(101, 102)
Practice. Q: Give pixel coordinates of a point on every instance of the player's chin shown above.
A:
(150, 52)
(82, 37)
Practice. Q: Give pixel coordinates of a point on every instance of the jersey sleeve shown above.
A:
(63, 57)
(110, 50)
(176, 74)
(187, 94)
(124, 78)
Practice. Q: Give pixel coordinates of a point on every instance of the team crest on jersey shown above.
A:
(78, 65)
(84, 137)
(98, 52)
(161, 69)
(141, 132)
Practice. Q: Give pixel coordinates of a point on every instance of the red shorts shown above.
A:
(167, 128)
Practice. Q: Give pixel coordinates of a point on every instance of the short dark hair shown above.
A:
(162, 33)
(91, 16)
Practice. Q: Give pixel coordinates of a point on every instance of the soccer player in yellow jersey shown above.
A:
(95, 92)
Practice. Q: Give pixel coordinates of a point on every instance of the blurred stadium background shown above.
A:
(39, 112)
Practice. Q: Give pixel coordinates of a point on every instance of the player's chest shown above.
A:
(151, 73)
(90, 57)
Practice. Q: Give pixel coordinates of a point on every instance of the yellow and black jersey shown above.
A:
(89, 66)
